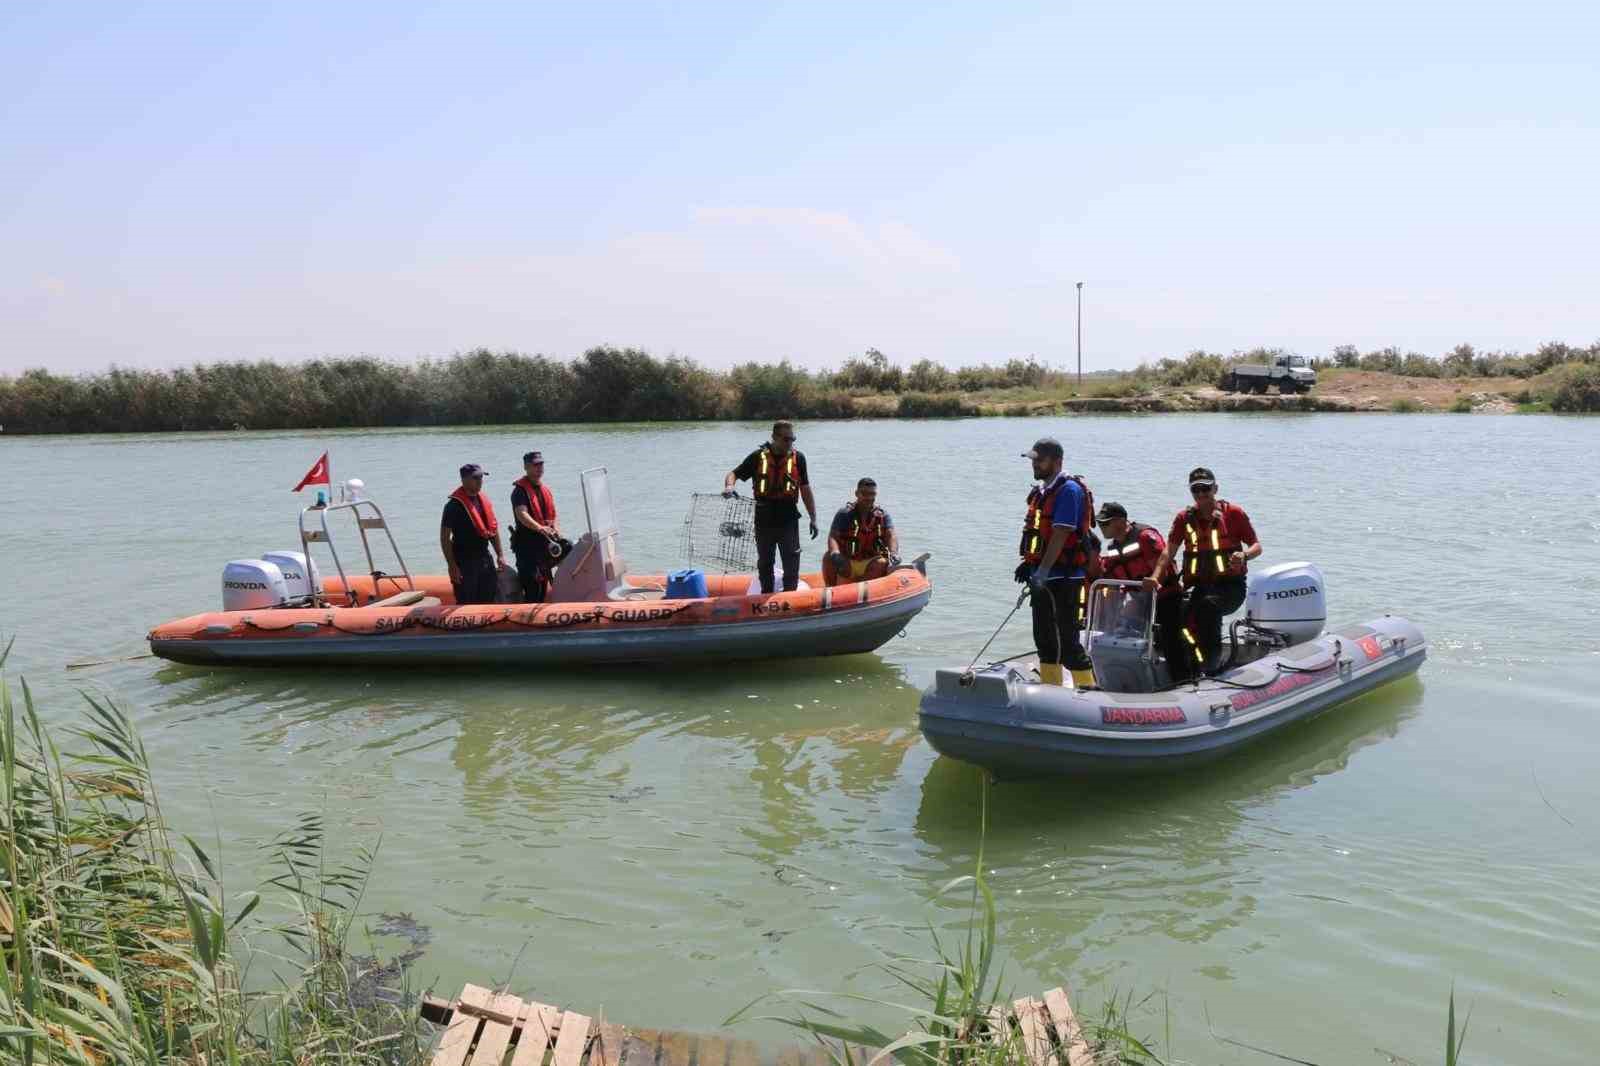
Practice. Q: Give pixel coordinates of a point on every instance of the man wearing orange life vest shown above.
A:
(1057, 539)
(1131, 552)
(777, 473)
(861, 540)
(466, 531)
(536, 540)
(1218, 541)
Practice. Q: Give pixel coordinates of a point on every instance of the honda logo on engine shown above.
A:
(1284, 594)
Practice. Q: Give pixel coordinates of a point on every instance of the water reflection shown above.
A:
(1073, 860)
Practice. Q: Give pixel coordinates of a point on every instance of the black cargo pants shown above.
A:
(771, 540)
(1057, 632)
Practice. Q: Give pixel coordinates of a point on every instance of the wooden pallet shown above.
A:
(483, 1028)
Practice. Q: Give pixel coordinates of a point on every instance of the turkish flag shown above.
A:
(317, 475)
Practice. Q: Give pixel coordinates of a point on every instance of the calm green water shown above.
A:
(666, 846)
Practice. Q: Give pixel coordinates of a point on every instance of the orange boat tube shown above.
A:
(394, 626)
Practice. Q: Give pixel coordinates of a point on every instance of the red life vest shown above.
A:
(869, 539)
(1206, 551)
(777, 476)
(480, 511)
(1134, 557)
(541, 503)
(1036, 528)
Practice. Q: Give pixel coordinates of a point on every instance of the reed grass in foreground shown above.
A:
(119, 948)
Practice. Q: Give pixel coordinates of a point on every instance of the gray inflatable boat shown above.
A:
(1279, 667)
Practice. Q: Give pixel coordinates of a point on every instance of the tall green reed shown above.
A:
(118, 945)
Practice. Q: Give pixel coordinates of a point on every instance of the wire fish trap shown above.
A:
(719, 533)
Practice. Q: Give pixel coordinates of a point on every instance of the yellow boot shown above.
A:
(1049, 673)
(1083, 678)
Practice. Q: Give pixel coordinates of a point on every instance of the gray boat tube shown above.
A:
(1001, 718)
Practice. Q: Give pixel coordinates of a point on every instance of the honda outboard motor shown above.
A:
(300, 576)
(251, 585)
(1287, 600)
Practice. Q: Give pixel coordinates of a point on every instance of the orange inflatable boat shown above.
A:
(283, 613)
(423, 625)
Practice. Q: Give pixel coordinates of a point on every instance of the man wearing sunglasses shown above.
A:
(466, 532)
(777, 473)
(1218, 541)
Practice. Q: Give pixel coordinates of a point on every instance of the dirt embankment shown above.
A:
(1338, 390)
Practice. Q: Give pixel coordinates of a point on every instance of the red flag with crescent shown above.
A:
(317, 475)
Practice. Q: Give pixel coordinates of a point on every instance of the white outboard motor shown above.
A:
(300, 575)
(251, 585)
(1289, 600)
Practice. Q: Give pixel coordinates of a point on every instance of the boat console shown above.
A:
(1286, 605)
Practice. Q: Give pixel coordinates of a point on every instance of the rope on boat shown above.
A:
(967, 676)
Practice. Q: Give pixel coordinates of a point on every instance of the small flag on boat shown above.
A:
(317, 475)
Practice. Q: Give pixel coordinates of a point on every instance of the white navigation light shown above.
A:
(354, 489)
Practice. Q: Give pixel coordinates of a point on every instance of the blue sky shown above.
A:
(191, 182)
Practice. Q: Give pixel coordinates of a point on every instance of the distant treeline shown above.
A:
(482, 387)
(626, 385)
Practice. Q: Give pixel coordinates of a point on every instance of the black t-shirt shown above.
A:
(465, 542)
(770, 513)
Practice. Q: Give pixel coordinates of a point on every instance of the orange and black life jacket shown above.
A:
(1206, 550)
(1130, 559)
(479, 510)
(1134, 557)
(869, 539)
(1037, 527)
(777, 476)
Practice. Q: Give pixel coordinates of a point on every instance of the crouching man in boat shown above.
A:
(1057, 541)
(536, 539)
(861, 540)
(1218, 541)
(1132, 551)
(777, 472)
(466, 532)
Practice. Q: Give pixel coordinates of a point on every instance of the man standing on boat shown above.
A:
(466, 532)
(861, 540)
(1057, 541)
(535, 538)
(1131, 552)
(1218, 540)
(777, 472)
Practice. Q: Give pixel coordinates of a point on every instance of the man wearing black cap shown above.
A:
(1057, 540)
(466, 531)
(535, 538)
(1131, 552)
(1218, 540)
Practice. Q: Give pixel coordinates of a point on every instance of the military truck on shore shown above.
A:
(1286, 373)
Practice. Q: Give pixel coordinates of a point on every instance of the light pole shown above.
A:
(1080, 336)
